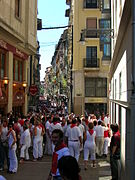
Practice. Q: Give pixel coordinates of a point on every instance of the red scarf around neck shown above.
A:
(55, 123)
(61, 146)
(91, 131)
(72, 125)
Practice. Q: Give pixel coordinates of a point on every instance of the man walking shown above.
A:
(60, 150)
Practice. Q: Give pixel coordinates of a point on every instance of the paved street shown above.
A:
(39, 170)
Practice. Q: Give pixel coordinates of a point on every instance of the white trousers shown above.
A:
(100, 144)
(13, 160)
(106, 142)
(24, 152)
(74, 149)
(89, 149)
(37, 148)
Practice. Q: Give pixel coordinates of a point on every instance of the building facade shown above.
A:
(91, 58)
(18, 41)
(122, 82)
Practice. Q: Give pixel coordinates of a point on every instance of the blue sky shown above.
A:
(52, 13)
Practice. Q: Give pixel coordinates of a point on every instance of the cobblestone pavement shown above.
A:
(39, 170)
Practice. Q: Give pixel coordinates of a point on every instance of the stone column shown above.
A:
(10, 84)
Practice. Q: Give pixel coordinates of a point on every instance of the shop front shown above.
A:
(13, 68)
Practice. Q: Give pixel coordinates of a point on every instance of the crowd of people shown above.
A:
(57, 135)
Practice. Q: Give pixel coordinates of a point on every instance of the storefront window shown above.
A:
(18, 70)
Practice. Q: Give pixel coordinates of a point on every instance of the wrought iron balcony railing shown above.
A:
(91, 62)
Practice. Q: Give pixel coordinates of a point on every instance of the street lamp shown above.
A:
(5, 81)
(24, 85)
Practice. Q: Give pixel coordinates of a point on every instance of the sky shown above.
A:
(52, 13)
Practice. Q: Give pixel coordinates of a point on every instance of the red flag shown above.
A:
(0, 90)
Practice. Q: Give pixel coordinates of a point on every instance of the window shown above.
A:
(91, 3)
(2, 64)
(96, 87)
(105, 39)
(91, 56)
(17, 8)
(18, 70)
(91, 23)
(106, 5)
(91, 52)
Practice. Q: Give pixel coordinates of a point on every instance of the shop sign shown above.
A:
(33, 90)
(13, 49)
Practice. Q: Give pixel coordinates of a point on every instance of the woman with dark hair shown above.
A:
(12, 149)
(69, 168)
(90, 145)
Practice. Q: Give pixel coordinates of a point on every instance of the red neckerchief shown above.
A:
(72, 125)
(9, 132)
(61, 146)
(55, 123)
(91, 131)
(87, 122)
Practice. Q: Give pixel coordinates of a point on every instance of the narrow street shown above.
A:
(39, 170)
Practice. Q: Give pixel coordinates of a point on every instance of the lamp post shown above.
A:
(24, 85)
(5, 81)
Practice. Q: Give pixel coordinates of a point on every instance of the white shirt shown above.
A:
(81, 127)
(73, 133)
(55, 126)
(107, 120)
(90, 139)
(100, 131)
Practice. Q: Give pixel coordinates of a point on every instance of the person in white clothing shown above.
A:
(82, 129)
(12, 150)
(60, 150)
(74, 139)
(37, 144)
(90, 145)
(25, 143)
(107, 120)
(99, 138)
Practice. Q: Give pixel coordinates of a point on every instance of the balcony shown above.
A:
(91, 62)
(91, 33)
